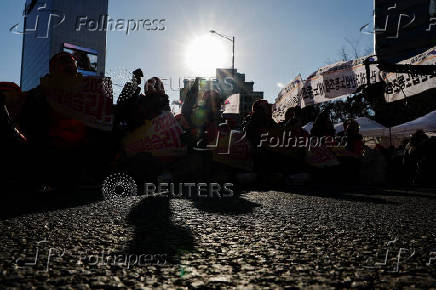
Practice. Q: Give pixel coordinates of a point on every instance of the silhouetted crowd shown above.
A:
(47, 149)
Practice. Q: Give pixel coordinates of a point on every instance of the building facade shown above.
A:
(51, 26)
(227, 84)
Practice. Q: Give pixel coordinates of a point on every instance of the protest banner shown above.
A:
(160, 137)
(321, 157)
(289, 96)
(337, 80)
(402, 85)
(346, 77)
(231, 104)
(86, 99)
(232, 149)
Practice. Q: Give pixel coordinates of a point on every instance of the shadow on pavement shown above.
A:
(15, 203)
(427, 192)
(355, 194)
(155, 234)
(234, 205)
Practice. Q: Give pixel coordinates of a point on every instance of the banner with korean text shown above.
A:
(86, 99)
(402, 85)
(160, 137)
(289, 96)
(337, 80)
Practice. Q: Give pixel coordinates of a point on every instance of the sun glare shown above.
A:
(206, 53)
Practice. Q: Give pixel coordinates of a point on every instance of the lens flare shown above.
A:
(206, 53)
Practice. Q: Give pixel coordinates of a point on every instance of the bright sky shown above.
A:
(275, 40)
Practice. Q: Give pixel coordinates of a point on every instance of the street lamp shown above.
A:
(232, 39)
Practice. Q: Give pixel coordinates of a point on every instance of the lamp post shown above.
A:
(232, 39)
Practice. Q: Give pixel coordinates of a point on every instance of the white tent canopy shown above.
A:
(426, 123)
(368, 127)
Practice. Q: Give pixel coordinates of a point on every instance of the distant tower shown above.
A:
(432, 8)
(50, 26)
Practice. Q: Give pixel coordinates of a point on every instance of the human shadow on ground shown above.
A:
(234, 205)
(338, 192)
(409, 191)
(155, 233)
(355, 193)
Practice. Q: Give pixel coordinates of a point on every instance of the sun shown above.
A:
(206, 53)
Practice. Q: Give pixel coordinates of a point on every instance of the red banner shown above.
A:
(87, 99)
(160, 137)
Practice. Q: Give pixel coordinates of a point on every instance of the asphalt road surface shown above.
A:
(300, 238)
